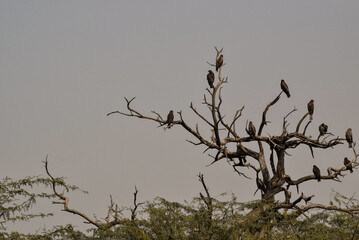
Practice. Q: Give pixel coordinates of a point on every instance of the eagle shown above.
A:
(219, 62)
(210, 78)
(348, 164)
(323, 129)
(170, 118)
(251, 129)
(349, 137)
(311, 109)
(316, 172)
(284, 88)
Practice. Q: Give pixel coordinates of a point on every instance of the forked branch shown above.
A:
(65, 200)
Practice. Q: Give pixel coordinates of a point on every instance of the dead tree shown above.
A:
(269, 168)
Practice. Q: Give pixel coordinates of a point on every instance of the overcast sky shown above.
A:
(65, 64)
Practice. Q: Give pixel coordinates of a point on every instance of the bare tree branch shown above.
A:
(65, 201)
(264, 115)
(135, 204)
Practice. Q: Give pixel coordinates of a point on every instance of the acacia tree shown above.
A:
(228, 144)
(204, 218)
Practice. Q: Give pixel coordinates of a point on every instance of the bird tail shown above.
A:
(216, 69)
(318, 179)
(351, 170)
(310, 117)
(350, 145)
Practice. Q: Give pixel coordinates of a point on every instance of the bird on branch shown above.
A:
(307, 199)
(284, 88)
(348, 164)
(316, 172)
(349, 137)
(210, 78)
(311, 109)
(323, 129)
(251, 129)
(170, 118)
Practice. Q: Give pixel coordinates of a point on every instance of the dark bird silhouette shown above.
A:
(323, 129)
(349, 137)
(311, 109)
(316, 172)
(170, 118)
(284, 88)
(348, 164)
(307, 199)
(210, 78)
(251, 129)
(219, 62)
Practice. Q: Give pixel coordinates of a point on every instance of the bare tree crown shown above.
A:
(227, 144)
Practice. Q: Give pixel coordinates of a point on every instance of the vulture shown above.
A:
(219, 62)
(210, 78)
(348, 164)
(316, 172)
(311, 109)
(323, 129)
(251, 129)
(349, 137)
(284, 88)
(170, 118)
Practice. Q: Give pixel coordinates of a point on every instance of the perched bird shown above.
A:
(170, 118)
(219, 62)
(210, 78)
(348, 164)
(307, 199)
(284, 88)
(316, 172)
(323, 129)
(251, 129)
(311, 109)
(349, 137)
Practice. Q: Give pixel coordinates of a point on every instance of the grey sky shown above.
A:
(65, 64)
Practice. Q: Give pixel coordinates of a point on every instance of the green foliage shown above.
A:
(162, 220)
(16, 199)
(58, 232)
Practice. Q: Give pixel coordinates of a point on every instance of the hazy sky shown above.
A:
(65, 64)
